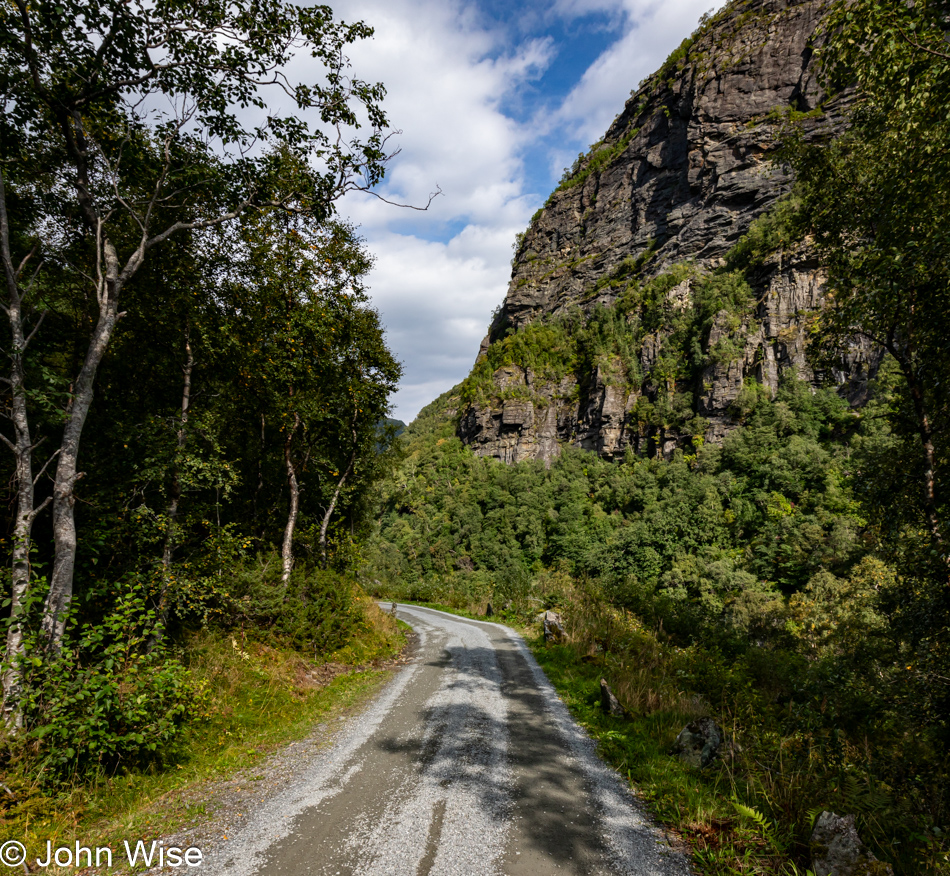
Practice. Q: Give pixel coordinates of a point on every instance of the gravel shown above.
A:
(465, 764)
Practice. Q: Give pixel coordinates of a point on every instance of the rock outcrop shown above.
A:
(684, 168)
(553, 627)
(609, 704)
(698, 743)
(837, 849)
(679, 177)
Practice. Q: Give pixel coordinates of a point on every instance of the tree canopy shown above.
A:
(876, 200)
(175, 276)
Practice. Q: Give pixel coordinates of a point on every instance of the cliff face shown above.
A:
(684, 168)
(679, 177)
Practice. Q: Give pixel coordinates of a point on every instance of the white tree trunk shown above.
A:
(22, 447)
(325, 523)
(60, 593)
(181, 437)
(287, 550)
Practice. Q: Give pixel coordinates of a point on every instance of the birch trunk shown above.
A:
(22, 532)
(260, 477)
(325, 523)
(287, 552)
(22, 447)
(60, 593)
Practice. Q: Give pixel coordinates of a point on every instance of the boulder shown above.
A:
(698, 742)
(609, 702)
(837, 850)
(553, 627)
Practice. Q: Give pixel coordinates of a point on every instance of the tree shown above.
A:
(314, 360)
(877, 199)
(135, 123)
(22, 445)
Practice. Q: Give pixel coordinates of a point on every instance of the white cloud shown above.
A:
(443, 91)
(436, 299)
(448, 72)
(445, 79)
(653, 30)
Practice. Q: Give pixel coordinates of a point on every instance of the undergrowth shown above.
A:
(753, 809)
(249, 695)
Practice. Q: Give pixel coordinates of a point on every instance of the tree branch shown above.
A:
(39, 322)
(922, 48)
(432, 197)
(46, 466)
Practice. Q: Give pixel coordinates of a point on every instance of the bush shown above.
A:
(317, 611)
(113, 698)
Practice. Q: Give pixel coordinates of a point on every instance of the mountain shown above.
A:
(681, 197)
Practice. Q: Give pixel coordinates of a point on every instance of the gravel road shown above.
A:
(467, 764)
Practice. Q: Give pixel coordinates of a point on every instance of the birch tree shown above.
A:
(316, 363)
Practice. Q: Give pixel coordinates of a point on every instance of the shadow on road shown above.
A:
(471, 746)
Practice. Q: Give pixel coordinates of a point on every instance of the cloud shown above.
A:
(445, 82)
(436, 299)
(452, 72)
(439, 274)
(652, 30)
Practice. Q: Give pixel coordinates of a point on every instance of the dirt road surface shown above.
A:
(467, 764)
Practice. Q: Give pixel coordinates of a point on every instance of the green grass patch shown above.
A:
(700, 806)
(252, 698)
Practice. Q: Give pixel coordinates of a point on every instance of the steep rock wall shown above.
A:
(679, 177)
(683, 169)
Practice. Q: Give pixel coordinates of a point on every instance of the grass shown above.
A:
(252, 698)
(697, 805)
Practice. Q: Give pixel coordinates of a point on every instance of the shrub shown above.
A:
(317, 610)
(112, 698)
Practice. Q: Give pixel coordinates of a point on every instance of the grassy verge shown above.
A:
(752, 810)
(700, 806)
(252, 698)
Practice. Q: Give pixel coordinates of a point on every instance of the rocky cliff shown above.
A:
(678, 178)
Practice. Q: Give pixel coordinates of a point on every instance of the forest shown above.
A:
(196, 384)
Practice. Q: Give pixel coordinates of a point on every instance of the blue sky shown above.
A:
(494, 98)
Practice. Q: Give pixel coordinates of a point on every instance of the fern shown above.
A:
(766, 827)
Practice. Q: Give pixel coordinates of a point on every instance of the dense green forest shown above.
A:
(196, 384)
(792, 582)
